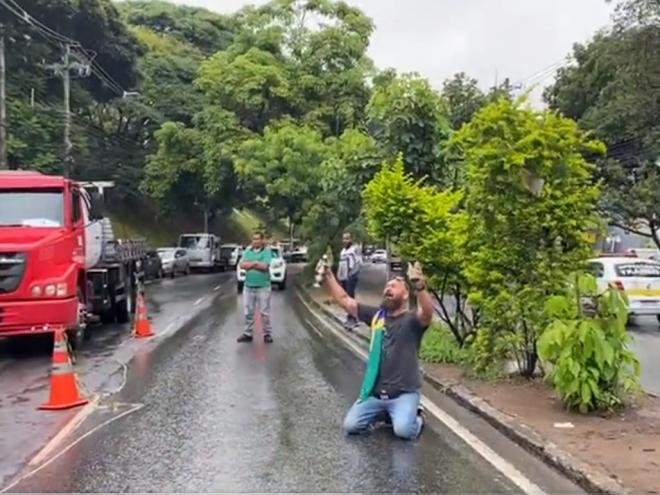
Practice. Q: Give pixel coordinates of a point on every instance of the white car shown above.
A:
(638, 278)
(232, 253)
(174, 260)
(277, 271)
(379, 256)
(299, 255)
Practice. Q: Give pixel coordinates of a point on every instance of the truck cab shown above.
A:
(203, 251)
(42, 252)
(57, 261)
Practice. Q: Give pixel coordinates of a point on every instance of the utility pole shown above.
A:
(3, 107)
(66, 78)
(64, 71)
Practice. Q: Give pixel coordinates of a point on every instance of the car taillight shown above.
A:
(619, 285)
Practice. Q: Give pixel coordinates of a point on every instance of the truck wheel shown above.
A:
(124, 308)
(239, 288)
(76, 336)
(282, 285)
(108, 317)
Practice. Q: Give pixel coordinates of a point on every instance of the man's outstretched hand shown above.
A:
(415, 273)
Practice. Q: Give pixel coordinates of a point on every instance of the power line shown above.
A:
(59, 39)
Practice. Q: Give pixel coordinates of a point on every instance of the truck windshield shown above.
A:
(31, 208)
(194, 242)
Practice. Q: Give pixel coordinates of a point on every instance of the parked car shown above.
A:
(638, 278)
(379, 256)
(278, 271)
(175, 261)
(153, 265)
(298, 255)
(231, 253)
(395, 264)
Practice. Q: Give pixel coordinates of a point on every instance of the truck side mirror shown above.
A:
(97, 207)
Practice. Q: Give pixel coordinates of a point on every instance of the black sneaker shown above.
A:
(421, 413)
(268, 338)
(244, 338)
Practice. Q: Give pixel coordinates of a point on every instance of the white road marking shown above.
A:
(217, 288)
(76, 421)
(499, 463)
(198, 302)
(134, 407)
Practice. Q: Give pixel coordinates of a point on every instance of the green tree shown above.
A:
(426, 225)
(193, 168)
(207, 31)
(283, 167)
(530, 201)
(169, 68)
(613, 89)
(409, 117)
(352, 160)
(35, 94)
(254, 85)
(463, 97)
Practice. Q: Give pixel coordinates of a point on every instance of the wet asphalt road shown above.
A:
(203, 413)
(24, 367)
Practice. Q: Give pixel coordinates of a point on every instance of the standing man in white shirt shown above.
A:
(350, 262)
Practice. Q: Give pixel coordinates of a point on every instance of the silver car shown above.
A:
(175, 261)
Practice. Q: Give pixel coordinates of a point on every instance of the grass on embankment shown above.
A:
(142, 223)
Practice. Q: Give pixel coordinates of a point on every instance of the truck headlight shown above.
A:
(52, 290)
(61, 289)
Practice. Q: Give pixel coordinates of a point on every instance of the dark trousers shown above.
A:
(350, 285)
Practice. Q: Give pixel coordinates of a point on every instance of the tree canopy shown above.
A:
(613, 89)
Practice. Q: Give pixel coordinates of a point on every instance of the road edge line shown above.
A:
(590, 479)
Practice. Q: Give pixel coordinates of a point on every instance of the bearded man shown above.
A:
(391, 388)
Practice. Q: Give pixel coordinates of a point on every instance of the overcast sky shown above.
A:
(437, 38)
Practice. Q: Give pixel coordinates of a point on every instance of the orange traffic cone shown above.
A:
(64, 392)
(142, 323)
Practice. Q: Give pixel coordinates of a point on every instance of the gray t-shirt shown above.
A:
(399, 366)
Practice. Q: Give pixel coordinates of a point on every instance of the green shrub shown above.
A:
(587, 345)
(440, 346)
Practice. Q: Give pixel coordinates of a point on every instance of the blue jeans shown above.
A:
(350, 285)
(254, 299)
(363, 415)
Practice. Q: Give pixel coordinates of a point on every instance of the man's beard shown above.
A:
(390, 304)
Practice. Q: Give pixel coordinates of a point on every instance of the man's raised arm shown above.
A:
(339, 295)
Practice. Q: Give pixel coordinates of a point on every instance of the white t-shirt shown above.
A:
(349, 263)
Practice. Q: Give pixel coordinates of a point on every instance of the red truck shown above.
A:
(60, 264)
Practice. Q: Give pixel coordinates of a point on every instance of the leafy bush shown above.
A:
(587, 346)
(440, 346)
(529, 199)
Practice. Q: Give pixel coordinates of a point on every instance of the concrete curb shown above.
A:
(591, 479)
